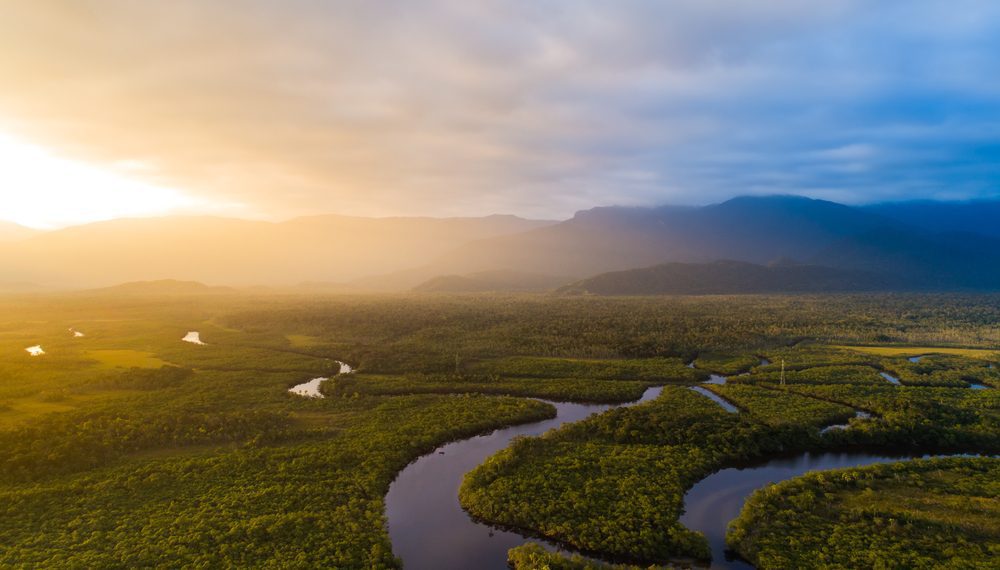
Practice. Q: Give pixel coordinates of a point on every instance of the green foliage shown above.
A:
(938, 513)
(778, 407)
(727, 364)
(944, 370)
(912, 417)
(85, 440)
(314, 504)
(532, 556)
(650, 369)
(559, 389)
(145, 378)
(855, 374)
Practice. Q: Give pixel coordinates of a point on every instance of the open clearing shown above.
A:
(980, 353)
(124, 358)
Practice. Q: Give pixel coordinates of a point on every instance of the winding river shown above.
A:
(429, 529)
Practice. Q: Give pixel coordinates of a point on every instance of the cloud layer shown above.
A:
(538, 108)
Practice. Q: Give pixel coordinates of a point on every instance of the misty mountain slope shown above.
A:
(726, 277)
(923, 261)
(230, 251)
(755, 229)
(491, 281)
(981, 216)
(159, 288)
(347, 253)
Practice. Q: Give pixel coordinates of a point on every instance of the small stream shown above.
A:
(890, 378)
(310, 389)
(726, 405)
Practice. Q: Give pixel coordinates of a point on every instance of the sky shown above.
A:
(272, 109)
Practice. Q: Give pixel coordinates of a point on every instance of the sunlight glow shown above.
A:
(41, 190)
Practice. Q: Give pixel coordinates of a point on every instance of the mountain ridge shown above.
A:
(726, 277)
(349, 253)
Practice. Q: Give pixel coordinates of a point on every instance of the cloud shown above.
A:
(539, 108)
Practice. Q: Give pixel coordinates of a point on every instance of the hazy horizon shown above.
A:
(331, 214)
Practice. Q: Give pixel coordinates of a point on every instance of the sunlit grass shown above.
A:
(126, 358)
(980, 353)
(303, 341)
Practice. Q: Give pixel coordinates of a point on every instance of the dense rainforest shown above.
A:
(127, 446)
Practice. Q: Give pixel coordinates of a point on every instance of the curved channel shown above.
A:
(427, 525)
(716, 500)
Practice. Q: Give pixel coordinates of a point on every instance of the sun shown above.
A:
(42, 190)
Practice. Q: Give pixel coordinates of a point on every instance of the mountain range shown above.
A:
(729, 277)
(771, 243)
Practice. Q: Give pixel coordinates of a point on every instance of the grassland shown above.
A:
(126, 358)
(908, 351)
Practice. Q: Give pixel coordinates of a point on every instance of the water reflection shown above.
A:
(310, 389)
(892, 379)
(717, 399)
(193, 337)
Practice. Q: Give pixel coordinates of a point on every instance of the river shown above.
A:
(427, 525)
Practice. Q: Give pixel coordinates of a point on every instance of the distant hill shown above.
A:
(13, 232)
(162, 287)
(489, 281)
(908, 245)
(921, 260)
(751, 229)
(755, 230)
(242, 252)
(727, 277)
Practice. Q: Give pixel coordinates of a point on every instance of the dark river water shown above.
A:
(429, 529)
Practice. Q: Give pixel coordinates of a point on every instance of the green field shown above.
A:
(126, 358)
(907, 351)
